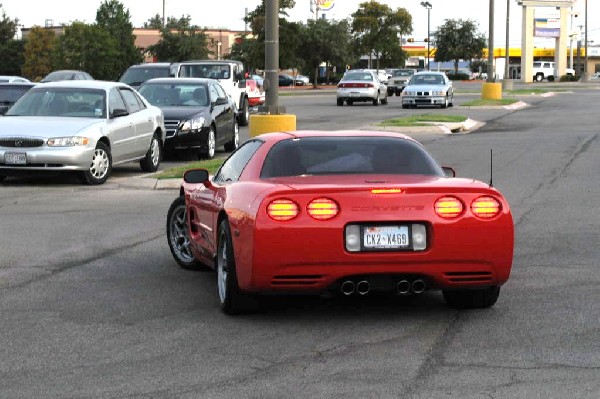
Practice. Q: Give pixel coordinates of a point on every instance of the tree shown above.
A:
(248, 50)
(377, 29)
(457, 40)
(185, 42)
(10, 48)
(89, 48)
(116, 21)
(37, 53)
(324, 41)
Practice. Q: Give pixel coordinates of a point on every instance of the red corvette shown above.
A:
(350, 212)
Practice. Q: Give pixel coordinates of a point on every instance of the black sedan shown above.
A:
(11, 92)
(286, 80)
(199, 115)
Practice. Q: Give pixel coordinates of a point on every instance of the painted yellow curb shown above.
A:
(260, 124)
(491, 91)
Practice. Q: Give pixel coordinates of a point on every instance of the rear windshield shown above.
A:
(348, 155)
(138, 75)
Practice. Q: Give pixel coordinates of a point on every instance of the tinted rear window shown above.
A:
(348, 155)
(138, 75)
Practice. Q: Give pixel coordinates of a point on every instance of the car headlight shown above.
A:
(67, 141)
(192, 124)
(406, 93)
(438, 93)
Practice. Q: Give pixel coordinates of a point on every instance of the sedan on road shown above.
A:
(348, 213)
(361, 86)
(198, 114)
(432, 89)
(82, 126)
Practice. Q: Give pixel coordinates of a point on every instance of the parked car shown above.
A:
(85, 126)
(360, 86)
(394, 222)
(198, 114)
(135, 75)
(11, 92)
(13, 79)
(595, 76)
(57, 76)
(286, 80)
(398, 80)
(428, 89)
(260, 81)
(301, 80)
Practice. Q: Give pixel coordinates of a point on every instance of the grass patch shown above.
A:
(528, 91)
(177, 172)
(421, 120)
(484, 102)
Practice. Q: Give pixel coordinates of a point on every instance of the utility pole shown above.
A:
(490, 67)
(507, 58)
(585, 65)
(164, 21)
(272, 58)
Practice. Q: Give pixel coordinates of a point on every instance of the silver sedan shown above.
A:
(360, 86)
(428, 88)
(83, 126)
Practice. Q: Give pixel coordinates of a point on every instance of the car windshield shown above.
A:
(358, 76)
(348, 155)
(64, 102)
(178, 95)
(213, 71)
(137, 76)
(403, 72)
(426, 79)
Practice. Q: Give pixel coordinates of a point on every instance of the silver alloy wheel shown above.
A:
(100, 164)
(180, 241)
(155, 151)
(222, 272)
(246, 111)
(236, 135)
(211, 143)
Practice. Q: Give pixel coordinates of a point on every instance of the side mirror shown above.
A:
(448, 171)
(239, 76)
(195, 176)
(221, 101)
(3, 109)
(118, 112)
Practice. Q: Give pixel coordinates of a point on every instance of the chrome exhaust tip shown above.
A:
(362, 287)
(418, 286)
(403, 287)
(347, 287)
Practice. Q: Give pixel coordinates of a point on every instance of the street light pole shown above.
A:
(427, 5)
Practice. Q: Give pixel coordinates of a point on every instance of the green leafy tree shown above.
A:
(37, 53)
(289, 36)
(88, 48)
(377, 29)
(10, 48)
(457, 40)
(248, 50)
(184, 42)
(156, 22)
(116, 21)
(325, 41)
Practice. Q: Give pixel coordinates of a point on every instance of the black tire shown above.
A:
(100, 167)
(152, 158)
(245, 114)
(2, 177)
(349, 102)
(445, 104)
(405, 106)
(376, 101)
(340, 102)
(178, 237)
(472, 299)
(235, 141)
(539, 77)
(211, 143)
(550, 78)
(384, 101)
(232, 299)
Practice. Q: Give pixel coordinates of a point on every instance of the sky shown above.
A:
(229, 14)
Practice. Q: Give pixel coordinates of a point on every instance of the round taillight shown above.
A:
(448, 207)
(282, 210)
(485, 207)
(322, 209)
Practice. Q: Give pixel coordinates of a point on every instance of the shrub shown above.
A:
(458, 76)
(569, 78)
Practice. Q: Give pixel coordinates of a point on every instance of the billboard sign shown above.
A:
(325, 5)
(546, 22)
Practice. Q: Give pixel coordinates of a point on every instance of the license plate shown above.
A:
(15, 158)
(385, 237)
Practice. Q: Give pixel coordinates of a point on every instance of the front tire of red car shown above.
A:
(178, 236)
(233, 300)
(472, 299)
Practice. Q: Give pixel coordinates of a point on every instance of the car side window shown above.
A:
(131, 101)
(115, 101)
(213, 93)
(220, 91)
(232, 168)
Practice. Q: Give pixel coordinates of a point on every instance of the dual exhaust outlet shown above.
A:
(403, 287)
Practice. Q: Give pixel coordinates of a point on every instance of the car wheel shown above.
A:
(340, 102)
(2, 177)
(384, 101)
(101, 165)
(405, 106)
(550, 78)
(349, 102)
(235, 141)
(539, 77)
(472, 299)
(445, 104)
(211, 143)
(376, 100)
(245, 114)
(178, 236)
(231, 298)
(152, 159)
